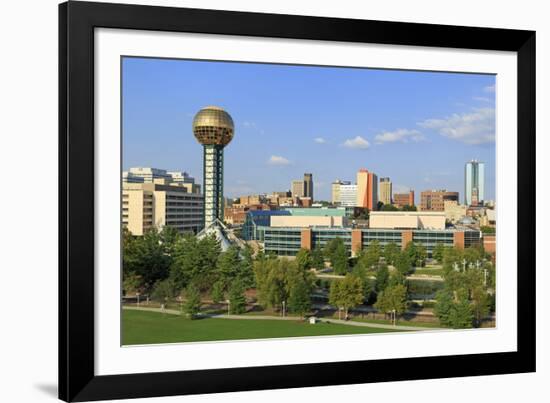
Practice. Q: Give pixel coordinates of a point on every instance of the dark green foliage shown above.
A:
(393, 298)
(192, 301)
(164, 291)
(388, 207)
(416, 253)
(347, 292)
(443, 307)
(195, 261)
(488, 230)
(317, 259)
(361, 213)
(299, 299)
(146, 257)
(438, 252)
(454, 310)
(303, 259)
(391, 250)
(217, 292)
(382, 278)
(237, 300)
(336, 252)
(461, 316)
(408, 208)
(403, 263)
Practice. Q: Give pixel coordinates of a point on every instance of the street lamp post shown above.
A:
(394, 318)
(137, 295)
(228, 306)
(284, 306)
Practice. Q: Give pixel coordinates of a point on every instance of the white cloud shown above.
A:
(278, 160)
(401, 135)
(249, 124)
(477, 127)
(320, 140)
(357, 142)
(489, 88)
(483, 99)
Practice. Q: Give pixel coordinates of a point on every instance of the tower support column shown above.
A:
(213, 183)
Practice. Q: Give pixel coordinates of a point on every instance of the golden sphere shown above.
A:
(212, 125)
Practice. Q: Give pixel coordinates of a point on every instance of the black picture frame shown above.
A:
(77, 21)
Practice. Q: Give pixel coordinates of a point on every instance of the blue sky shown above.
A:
(418, 128)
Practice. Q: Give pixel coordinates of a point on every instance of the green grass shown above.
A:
(429, 272)
(139, 327)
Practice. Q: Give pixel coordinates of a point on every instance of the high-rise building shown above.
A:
(434, 200)
(155, 175)
(348, 195)
(213, 127)
(474, 183)
(308, 186)
(297, 188)
(385, 190)
(403, 199)
(158, 204)
(335, 190)
(144, 175)
(367, 189)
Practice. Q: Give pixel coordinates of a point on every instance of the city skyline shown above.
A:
(328, 121)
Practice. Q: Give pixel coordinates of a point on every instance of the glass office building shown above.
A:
(474, 183)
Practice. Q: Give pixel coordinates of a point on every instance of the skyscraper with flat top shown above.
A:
(213, 127)
(308, 185)
(474, 183)
(367, 189)
(385, 191)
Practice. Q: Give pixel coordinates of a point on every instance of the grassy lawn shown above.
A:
(139, 327)
(428, 271)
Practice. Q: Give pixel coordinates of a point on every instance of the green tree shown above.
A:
(192, 304)
(229, 266)
(382, 278)
(303, 259)
(452, 256)
(443, 306)
(164, 291)
(403, 263)
(372, 254)
(217, 293)
(131, 284)
(146, 257)
(195, 261)
(346, 293)
(361, 213)
(317, 259)
(438, 252)
(454, 310)
(389, 207)
(391, 250)
(487, 230)
(461, 316)
(421, 255)
(299, 300)
(237, 300)
(392, 299)
(247, 267)
(408, 208)
(338, 256)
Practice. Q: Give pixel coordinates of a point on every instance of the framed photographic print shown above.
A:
(258, 201)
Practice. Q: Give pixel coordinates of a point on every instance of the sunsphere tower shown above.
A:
(213, 127)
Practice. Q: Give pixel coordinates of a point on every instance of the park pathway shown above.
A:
(268, 317)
